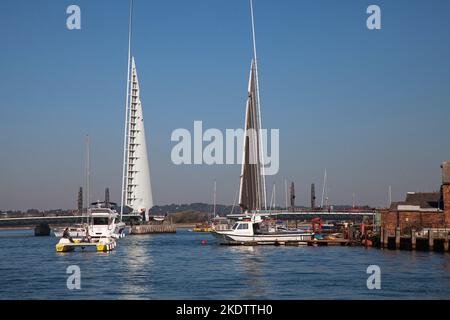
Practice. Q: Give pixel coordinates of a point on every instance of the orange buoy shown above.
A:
(203, 242)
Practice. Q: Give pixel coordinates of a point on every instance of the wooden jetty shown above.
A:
(333, 242)
(152, 228)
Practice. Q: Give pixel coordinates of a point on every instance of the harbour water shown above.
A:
(178, 266)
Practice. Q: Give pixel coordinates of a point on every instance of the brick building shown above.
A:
(421, 209)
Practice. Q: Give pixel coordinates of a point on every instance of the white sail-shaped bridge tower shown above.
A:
(138, 190)
(136, 186)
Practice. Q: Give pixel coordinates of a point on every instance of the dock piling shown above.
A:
(385, 239)
(446, 241)
(413, 239)
(430, 240)
(397, 238)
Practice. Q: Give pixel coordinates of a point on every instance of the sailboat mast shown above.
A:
(88, 176)
(88, 172)
(274, 196)
(127, 110)
(353, 202)
(261, 150)
(323, 188)
(215, 192)
(286, 193)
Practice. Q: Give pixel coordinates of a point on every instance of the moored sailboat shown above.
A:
(252, 190)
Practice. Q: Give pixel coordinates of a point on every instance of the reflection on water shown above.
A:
(138, 262)
(178, 266)
(16, 233)
(250, 260)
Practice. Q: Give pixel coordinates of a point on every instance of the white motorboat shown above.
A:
(102, 222)
(254, 230)
(105, 222)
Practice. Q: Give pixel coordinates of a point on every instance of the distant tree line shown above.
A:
(221, 210)
(37, 213)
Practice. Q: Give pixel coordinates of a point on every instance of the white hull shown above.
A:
(228, 237)
(116, 231)
(120, 231)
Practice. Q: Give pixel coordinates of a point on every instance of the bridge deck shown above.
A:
(52, 220)
(284, 215)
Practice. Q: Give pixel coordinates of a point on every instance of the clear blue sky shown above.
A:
(373, 107)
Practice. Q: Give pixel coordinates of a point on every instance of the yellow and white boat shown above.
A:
(102, 245)
(204, 227)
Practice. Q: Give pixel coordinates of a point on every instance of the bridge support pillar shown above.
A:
(42, 230)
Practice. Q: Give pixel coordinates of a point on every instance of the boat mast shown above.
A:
(286, 193)
(261, 150)
(324, 188)
(274, 196)
(127, 111)
(353, 201)
(215, 191)
(271, 198)
(88, 176)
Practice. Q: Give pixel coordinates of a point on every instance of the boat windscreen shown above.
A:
(100, 221)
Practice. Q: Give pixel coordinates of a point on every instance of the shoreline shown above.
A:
(177, 225)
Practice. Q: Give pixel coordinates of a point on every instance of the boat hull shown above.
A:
(230, 238)
(202, 229)
(103, 245)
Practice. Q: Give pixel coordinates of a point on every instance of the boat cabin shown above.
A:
(102, 222)
(246, 227)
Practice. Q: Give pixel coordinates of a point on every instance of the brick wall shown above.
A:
(446, 198)
(413, 219)
(421, 219)
(445, 172)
